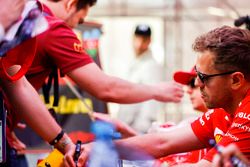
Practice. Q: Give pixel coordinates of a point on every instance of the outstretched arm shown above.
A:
(113, 89)
(180, 139)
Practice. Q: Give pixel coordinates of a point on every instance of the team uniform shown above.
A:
(225, 128)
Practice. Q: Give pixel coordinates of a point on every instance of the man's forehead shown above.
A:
(205, 60)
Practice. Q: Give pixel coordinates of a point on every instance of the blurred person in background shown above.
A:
(143, 70)
(188, 78)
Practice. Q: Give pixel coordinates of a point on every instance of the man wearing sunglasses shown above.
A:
(224, 80)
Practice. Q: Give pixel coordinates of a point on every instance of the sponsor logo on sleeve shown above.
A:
(218, 134)
(78, 47)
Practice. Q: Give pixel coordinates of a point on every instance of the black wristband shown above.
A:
(57, 138)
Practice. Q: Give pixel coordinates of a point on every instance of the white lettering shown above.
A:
(201, 121)
(232, 136)
(207, 114)
(240, 126)
(243, 115)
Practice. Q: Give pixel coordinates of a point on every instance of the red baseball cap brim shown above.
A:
(184, 77)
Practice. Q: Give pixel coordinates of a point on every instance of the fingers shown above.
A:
(169, 92)
(176, 92)
(21, 125)
(82, 161)
(233, 150)
(224, 159)
(68, 156)
(68, 161)
(103, 117)
(217, 161)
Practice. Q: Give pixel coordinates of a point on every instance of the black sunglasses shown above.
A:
(192, 83)
(205, 77)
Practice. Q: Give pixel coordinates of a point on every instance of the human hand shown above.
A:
(224, 159)
(169, 92)
(17, 144)
(120, 126)
(21, 125)
(10, 11)
(83, 158)
(66, 147)
(68, 156)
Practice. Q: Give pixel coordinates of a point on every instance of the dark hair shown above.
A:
(231, 47)
(83, 3)
(143, 30)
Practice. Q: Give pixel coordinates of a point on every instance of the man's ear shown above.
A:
(237, 80)
(70, 4)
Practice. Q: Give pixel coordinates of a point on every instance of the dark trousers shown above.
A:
(14, 160)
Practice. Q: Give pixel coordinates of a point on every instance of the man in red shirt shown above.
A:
(224, 79)
(56, 47)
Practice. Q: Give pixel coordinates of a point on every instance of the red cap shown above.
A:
(184, 77)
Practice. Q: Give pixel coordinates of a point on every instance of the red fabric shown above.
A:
(22, 55)
(234, 129)
(187, 157)
(57, 46)
(184, 77)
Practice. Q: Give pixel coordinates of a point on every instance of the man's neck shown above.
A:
(54, 7)
(238, 98)
(139, 55)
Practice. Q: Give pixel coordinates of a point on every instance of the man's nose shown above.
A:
(198, 82)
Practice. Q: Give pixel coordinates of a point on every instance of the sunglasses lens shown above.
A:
(192, 83)
(201, 77)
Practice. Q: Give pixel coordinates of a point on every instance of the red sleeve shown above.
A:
(22, 55)
(64, 48)
(203, 127)
(238, 133)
